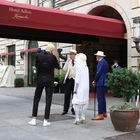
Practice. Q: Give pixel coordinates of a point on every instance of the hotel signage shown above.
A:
(20, 13)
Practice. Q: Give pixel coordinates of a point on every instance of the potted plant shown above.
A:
(124, 117)
(18, 82)
(124, 82)
(59, 83)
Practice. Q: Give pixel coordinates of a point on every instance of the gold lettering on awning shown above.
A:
(20, 13)
(20, 10)
(18, 16)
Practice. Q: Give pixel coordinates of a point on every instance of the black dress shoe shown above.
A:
(72, 111)
(63, 113)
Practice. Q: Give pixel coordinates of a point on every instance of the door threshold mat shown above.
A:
(127, 136)
(56, 117)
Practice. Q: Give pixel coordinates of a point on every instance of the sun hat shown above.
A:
(100, 53)
(73, 51)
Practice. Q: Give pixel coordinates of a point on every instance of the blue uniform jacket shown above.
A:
(102, 68)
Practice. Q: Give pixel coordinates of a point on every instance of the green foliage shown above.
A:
(19, 82)
(60, 78)
(123, 82)
(121, 107)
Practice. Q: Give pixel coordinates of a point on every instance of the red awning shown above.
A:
(29, 50)
(7, 54)
(33, 17)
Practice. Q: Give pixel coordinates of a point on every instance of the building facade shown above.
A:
(11, 50)
(123, 50)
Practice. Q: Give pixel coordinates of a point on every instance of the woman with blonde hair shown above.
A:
(46, 62)
(81, 88)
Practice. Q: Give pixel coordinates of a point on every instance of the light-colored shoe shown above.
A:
(32, 122)
(76, 122)
(46, 123)
(82, 120)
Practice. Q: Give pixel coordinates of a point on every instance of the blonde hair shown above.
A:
(50, 47)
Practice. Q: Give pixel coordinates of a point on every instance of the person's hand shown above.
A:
(55, 83)
(68, 57)
(93, 84)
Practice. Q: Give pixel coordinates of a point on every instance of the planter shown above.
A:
(125, 121)
(19, 82)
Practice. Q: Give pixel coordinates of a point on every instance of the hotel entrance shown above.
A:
(114, 49)
(101, 29)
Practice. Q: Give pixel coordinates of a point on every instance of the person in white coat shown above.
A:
(81, 89)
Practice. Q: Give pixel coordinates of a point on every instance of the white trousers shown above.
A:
(80, 110)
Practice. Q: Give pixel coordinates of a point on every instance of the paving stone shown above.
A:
(128, 136)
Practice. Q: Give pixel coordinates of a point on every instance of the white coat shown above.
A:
(67, 68)
(82, 80)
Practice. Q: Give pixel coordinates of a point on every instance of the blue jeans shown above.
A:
(101, 99)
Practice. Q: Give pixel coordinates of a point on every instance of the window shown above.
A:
(138, 2)
(29, 1)
(45, 3)
(11, 58)
(41, 2)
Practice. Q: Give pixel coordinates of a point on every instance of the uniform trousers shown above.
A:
(69, 87)
(100, 90)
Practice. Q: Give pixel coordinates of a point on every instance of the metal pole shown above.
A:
(94, 101)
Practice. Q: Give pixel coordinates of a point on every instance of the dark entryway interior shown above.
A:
(106, 11)
(114, 49)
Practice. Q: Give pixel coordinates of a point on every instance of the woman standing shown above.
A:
(81, 88)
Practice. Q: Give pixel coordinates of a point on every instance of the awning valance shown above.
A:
(7, 54)
(55, 23)
(29, 50)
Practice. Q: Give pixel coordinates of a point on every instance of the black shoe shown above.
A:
(72, 111)
(63, 113)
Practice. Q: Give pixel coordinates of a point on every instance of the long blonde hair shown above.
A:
(50, 47)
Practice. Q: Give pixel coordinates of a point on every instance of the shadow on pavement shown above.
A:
(56, 117)
(128, 136)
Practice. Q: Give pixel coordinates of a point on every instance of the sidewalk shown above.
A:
(15, 112)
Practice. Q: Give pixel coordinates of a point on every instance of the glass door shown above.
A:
(31, 64)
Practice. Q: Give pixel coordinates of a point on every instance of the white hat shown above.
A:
(73, 51)
(100, 53)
